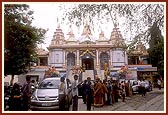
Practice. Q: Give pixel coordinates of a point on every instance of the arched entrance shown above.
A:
(103, 59)
(88, 62)
(70, 59)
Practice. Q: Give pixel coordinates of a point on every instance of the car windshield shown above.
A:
(49, 84)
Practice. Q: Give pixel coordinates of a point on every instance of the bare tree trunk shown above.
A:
(12, 79)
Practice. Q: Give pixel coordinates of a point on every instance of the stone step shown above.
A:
(100, 74)
(88, 73)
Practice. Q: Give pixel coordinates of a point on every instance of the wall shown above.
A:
(118, 58)
(56, 58)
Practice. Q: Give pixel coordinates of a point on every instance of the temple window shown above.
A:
(70, 59)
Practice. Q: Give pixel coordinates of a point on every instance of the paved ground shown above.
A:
(153, 101)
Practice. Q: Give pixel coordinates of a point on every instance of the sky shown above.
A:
(46, 14)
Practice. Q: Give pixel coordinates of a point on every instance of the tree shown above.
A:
(137, 17)
(20, 39)
(156, 48)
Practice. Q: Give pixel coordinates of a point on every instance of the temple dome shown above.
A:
(71, 34)
(58, 37)
(102, 37)
(87, 34)
(141, 48)
(42, 52)
(116, 38)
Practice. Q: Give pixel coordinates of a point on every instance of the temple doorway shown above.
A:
(88, 63)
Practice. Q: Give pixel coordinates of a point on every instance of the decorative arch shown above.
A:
(87, 59)
(104, 58)
(70, 59)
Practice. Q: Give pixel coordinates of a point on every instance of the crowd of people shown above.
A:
(106, 92)
(97, 93)
(20, 95)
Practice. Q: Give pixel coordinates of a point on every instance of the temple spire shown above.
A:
(70, 30)
(86, 29)
(71, 34)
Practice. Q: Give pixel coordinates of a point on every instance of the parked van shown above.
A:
(46, 96)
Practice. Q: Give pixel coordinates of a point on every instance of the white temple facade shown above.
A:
(87, 51)
(89, 55)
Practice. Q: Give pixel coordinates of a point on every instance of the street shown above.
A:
(153, 101)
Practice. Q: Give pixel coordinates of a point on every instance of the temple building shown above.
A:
(87, 51)
(87, 55)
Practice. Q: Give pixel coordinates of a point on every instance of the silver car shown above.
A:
(46, 96)
(135, 86)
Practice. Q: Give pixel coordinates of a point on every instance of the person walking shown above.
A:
(83, 88)
(159, 84)
(142, 85)
(116, 91)
(62, 94)
(105, 91)
(129, 88)
(26, 94)
(15, 98)
(75, 93)
(109, 93)
(123, 93)
(89, 94)
(98, 94)
(32, 85)
(112, 95)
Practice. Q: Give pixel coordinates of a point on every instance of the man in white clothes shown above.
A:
(62, 94)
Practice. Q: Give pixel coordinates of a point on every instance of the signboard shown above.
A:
(147, 68)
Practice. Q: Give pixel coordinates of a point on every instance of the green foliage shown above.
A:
(156, 48)
(20, 38)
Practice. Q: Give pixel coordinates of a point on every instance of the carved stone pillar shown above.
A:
(77, 58)
(64, 57)
(97, 57)
(110, 60)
